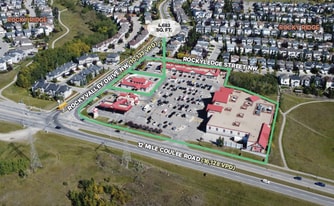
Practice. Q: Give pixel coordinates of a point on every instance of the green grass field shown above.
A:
(75, 21)
(6, 127)
(6, 78)
(274, 156)
(19, 94)
(290, 100)
(308, 139)
(149, 182)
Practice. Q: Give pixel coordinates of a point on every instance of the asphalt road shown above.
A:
(48, 121)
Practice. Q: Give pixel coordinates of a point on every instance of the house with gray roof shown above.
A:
(113, 58)
(51, 89)
(284, 79)
(88, 59)
(60, 71)
(295, 81)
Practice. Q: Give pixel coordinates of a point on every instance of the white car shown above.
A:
(265, 181)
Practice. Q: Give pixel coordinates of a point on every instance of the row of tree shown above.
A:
(47, 60)
(192, 39)
(13, 166)
(92, 193)
(262, 84)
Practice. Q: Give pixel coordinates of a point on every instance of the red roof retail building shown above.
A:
(254, 98)
(136, 82)
(263, 139)
(214, 108)
(193, 69)
(123, 103)
(222, 95)
(264, 135)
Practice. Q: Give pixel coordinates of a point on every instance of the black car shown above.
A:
(321, 184)
(58, 127)
(117, 131)
(297, 178)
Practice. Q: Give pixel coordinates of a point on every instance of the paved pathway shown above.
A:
(67, 29)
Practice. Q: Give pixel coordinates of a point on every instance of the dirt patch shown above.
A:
(18, 136)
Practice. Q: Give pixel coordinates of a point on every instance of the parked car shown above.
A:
(58, 127)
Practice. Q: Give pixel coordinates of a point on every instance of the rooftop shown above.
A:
(249, 115)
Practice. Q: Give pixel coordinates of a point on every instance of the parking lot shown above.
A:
(177, 107)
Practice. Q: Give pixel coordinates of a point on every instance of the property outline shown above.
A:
(163, 59)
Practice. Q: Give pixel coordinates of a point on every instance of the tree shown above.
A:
(228, 6)
(92, 193)
(219, 142)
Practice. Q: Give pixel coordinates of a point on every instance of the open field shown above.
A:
(6, 127)
(75, 21)
(290, 100)
(274, 156)
(6, 78)
(19, 94)
(66, 161)
(308, 139)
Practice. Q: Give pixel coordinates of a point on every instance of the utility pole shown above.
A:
(126, 157)
(34, 159)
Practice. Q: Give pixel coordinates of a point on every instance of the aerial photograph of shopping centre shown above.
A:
(189, 103)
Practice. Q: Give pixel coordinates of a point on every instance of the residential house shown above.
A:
(51, 89)
(113, 58)
(265, 50)
(60, 71)
(284, 79)
(3, 65)
(139, 39)
(78, 80)
(88, 59)
(325, 68)
(271, 63)
(318, 81)
(281, 65)
(329, 82)
(248, 49)
(244, 60)
(252, 61)
(305, 81)
(295, 81)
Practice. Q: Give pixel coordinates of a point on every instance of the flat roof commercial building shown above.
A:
(238, 115)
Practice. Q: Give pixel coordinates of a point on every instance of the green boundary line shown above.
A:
(163, 76)
(147, 73)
